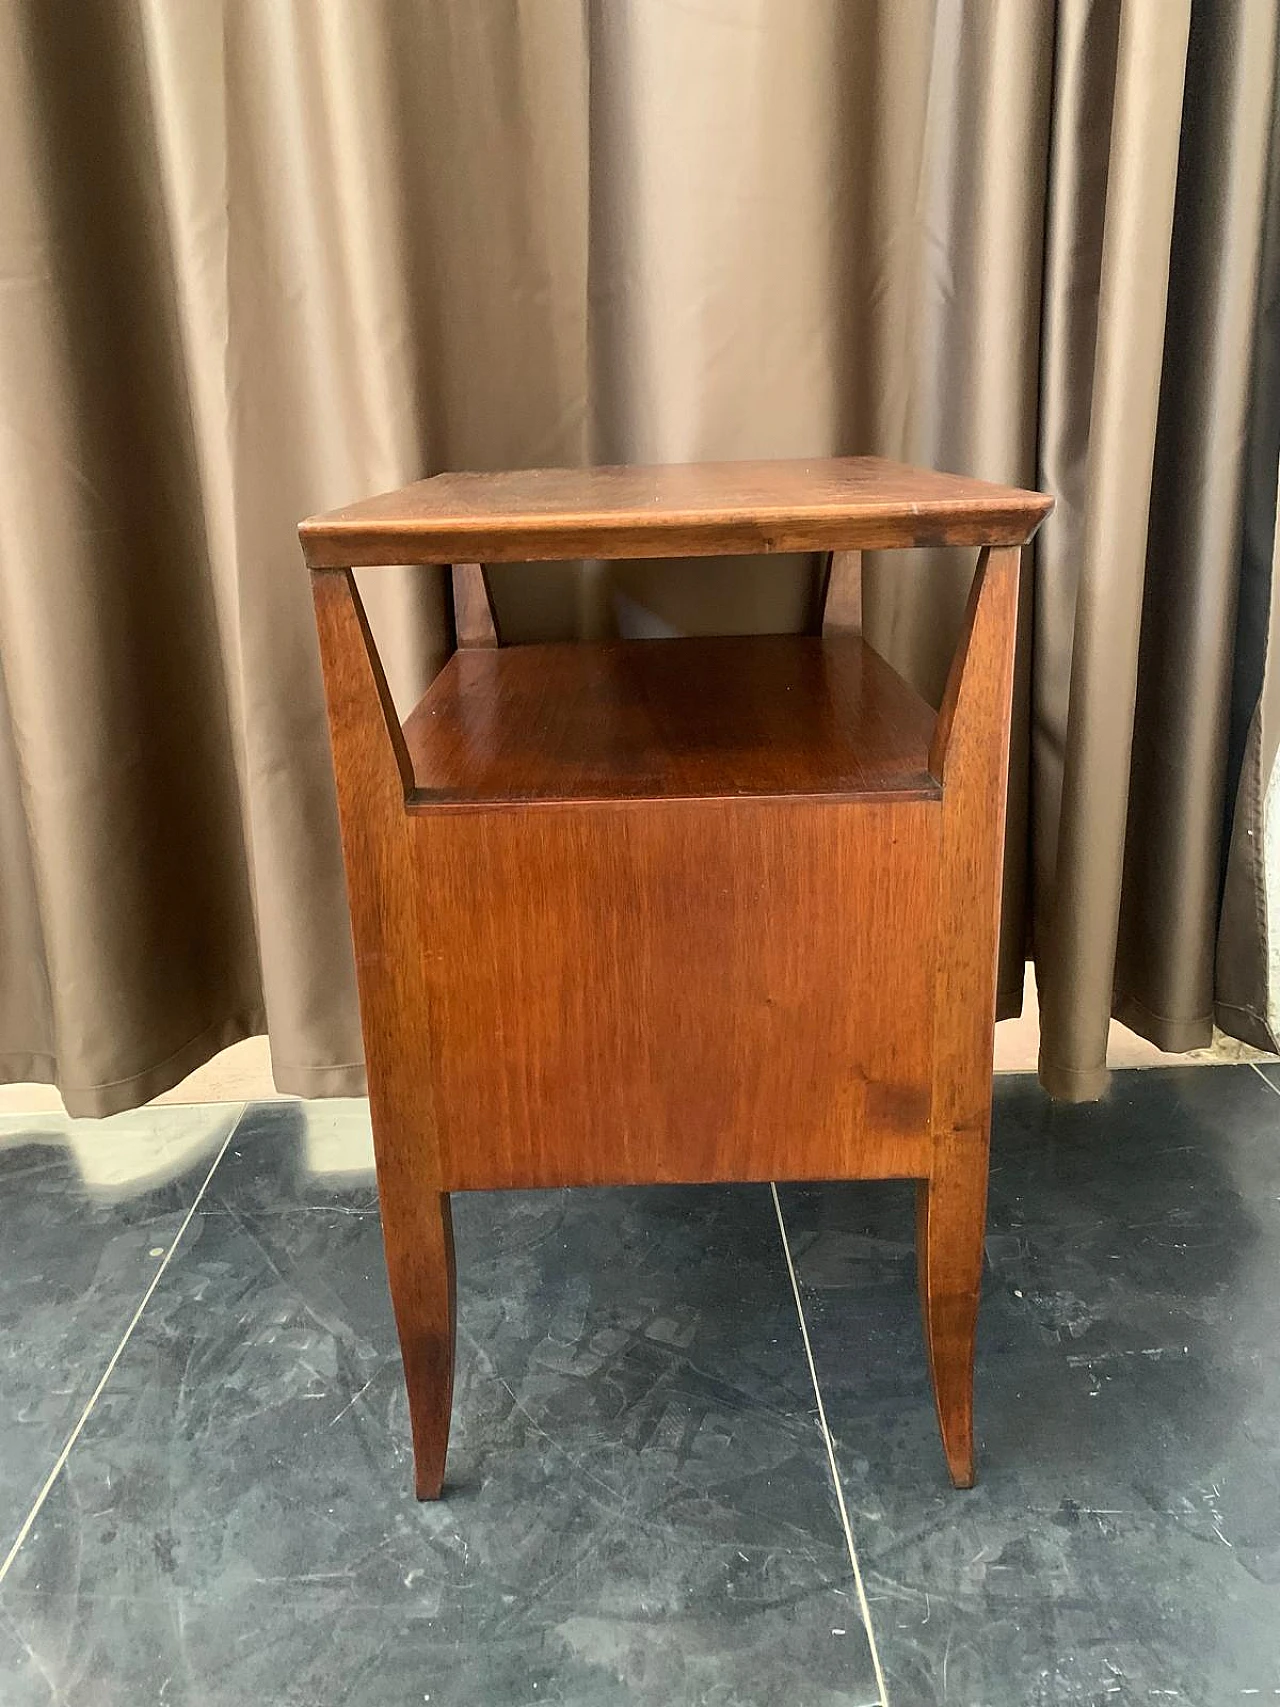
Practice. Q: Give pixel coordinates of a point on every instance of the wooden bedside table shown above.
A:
(674, 910)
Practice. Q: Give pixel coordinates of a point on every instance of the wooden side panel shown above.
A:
(971, 756)
(680, 990)
(372, 771)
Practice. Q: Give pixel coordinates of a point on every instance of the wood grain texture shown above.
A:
(680, 510)
(970, 756)
(841, 609)
(682, 910)
(474, 623)
(690, 990)
(372, 772)
(657, 719)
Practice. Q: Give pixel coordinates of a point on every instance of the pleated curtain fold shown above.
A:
(261, 257)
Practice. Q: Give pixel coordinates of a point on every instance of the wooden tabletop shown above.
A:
(678, 510)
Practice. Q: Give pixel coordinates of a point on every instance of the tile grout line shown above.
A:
(156, 1278)
(863, 1605)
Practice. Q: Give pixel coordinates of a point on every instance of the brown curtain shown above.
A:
(260, 257)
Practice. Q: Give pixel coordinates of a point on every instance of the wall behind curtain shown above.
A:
(263, 258)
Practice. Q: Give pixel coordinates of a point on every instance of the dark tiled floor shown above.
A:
(640, 1507)
(1123, 1542)
(76, 1255)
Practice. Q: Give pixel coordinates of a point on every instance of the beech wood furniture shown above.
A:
(674, 910)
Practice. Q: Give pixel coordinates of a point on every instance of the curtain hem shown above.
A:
(1072, 1084)
(313, 1083)
(1173, 1036)
(98, 1101)
(1246, 1025)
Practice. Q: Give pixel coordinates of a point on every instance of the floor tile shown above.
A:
(25, 1684)
(1123, 1542)
(87, 1210)
(638, 1507)
(288, 1156)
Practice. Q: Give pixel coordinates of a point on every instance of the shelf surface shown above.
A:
(668, 719)
(676, 510)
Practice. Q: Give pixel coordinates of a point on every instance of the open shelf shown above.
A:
(669, 719)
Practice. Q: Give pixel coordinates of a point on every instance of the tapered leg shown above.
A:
(950, 1224)
(374, 773)
(419, 1243)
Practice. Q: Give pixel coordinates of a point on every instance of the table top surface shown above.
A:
(675, 510)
